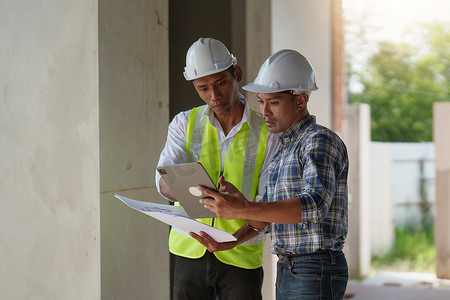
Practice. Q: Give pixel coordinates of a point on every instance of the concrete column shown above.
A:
(356, 134)
(134, 114)
(339, 77)
(49, 166)
(441, 124)
(306, 26)
(257, 42)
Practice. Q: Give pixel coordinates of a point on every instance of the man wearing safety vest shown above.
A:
(229, 139)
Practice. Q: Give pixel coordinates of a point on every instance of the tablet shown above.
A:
(182, 180)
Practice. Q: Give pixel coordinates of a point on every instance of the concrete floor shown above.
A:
(399, 285)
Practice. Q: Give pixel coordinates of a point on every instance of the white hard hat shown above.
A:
(205, 57)
(285, 70)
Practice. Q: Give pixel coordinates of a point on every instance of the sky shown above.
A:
(387, 20)
(392, 17)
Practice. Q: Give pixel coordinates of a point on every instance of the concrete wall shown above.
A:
(49, 166)
(356, 128)
(134, 114)
(305, 26)
(441, 124)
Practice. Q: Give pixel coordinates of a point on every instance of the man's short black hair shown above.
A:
(231, 70)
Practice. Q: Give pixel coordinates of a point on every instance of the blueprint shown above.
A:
(176, 217)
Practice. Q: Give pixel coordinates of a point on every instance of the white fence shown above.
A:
(414, 184)
(402, 190)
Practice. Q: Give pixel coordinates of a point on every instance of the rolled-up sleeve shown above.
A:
(174, 151)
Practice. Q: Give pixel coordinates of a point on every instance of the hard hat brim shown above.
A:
(256, 88)
(190, 76)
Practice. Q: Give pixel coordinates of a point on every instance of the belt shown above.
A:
(315, 253)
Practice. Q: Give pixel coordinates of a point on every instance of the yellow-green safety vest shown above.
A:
(242, 165)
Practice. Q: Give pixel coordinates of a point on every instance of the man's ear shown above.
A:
(301, 99)
(238, 73)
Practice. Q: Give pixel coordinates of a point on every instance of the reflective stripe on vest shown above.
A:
(238, 168)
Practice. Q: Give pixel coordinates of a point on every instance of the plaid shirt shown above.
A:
(312, 165)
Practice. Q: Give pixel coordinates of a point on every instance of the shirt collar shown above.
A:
(292, 132)
(245, 116)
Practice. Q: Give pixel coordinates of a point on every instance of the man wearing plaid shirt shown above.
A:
(306, 200)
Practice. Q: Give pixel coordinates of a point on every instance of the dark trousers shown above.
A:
(207, 278)
(319, 275)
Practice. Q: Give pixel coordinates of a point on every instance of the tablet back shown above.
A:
(182, 180)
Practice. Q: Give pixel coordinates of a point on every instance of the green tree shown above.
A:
(402, 81)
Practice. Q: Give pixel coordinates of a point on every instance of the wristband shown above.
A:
(265, 229)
